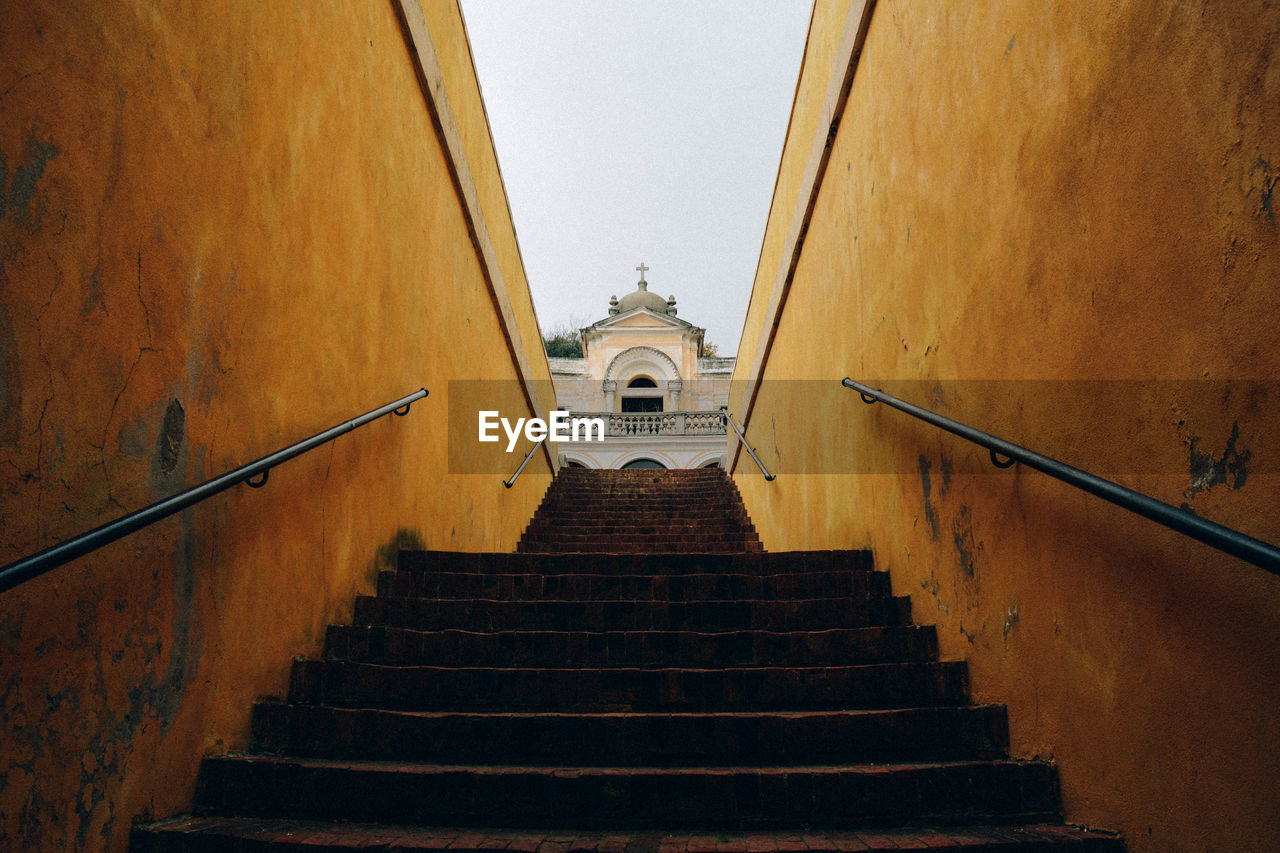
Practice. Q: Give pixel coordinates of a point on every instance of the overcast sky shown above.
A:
(639, 131)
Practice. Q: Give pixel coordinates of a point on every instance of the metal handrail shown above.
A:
(528, 456)
(1223, 538)
(724, 410)
(254, 475)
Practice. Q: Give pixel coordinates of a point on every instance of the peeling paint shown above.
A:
(1230, 468)
(929, 514)
(966, 547)
(10, 383)
(1268, 181)
(36, 153)
(1011, 617)
(169, 441)
(946, 467)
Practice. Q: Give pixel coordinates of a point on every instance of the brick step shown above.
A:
(852, 796)
(575, 512)
(775, 563)
(693, 530)
(699, 514)
(667, 521)
(719, 488)
(650, 523)
(624, 502)
(666, 478)
(685, 496)
(586, 689)
(706, 533)
(711, 532)
(705, 501)
(230, 833)
(838, 647)
(633, 739)
(625, 540)
(639, 473)
(678, 492)
(628, 545)
(631, 587)
(690, 495)
(552, 615)
(623, 544)
(605, 507)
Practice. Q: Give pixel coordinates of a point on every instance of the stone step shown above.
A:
(486, 615)
(840, 796)
(528, 586)
(633, 739)
(231, 833)
(780, 563)
(407, 647)
(590, 689)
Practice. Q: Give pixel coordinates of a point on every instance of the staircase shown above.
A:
(639, 676)
(643, 510)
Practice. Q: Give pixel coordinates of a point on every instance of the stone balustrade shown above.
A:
(633, 424)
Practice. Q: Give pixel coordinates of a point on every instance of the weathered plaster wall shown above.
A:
(223, 228)
(1021, 202)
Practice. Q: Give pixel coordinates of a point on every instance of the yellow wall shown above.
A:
(223, 229)
(1028, 217)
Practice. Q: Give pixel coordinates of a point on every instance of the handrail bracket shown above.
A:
(1005, 453)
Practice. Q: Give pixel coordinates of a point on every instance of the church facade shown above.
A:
(644, 373)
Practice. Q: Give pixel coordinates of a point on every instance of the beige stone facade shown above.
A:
(643, 371)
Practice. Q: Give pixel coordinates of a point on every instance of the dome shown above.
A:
(642, 298)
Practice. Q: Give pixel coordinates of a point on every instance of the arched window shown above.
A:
(643, 463)
(641, 404)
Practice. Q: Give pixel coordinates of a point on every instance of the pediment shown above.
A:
(641, 318)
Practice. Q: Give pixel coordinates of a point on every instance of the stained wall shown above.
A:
(224, 228)
(1056, 224)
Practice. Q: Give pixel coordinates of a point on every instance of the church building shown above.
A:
(644, 372)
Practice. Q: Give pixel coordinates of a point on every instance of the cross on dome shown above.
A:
(643, 269)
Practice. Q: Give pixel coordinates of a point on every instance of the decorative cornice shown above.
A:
(610, 322)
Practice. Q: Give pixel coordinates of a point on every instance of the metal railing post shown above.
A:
(528, 456)
(724, 410)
